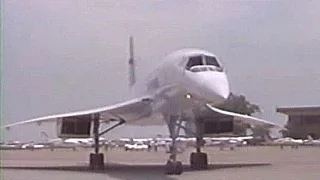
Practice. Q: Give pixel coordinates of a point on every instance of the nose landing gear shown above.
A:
(198, 159)
(173, 166)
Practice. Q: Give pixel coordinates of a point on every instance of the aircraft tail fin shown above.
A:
(310, 138)
(45, 136)
(132, 77)
(267, 138)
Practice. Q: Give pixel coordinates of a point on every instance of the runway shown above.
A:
(242, 163)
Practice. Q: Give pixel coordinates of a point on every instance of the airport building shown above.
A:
(302, 121)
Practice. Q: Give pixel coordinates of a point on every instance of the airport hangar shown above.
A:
(302, 121)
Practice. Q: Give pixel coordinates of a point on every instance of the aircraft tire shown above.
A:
(96, 161)
(173, 167)
(91, 160)
(198, 160)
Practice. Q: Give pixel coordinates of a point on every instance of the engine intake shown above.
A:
(74, 127)
(218, 125)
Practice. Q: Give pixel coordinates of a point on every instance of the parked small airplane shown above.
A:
(138, 146)
(311, 141)
(227, 142)
(72, 143)
(11, 145)
(286, 141)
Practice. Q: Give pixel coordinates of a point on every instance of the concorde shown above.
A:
(186, 81)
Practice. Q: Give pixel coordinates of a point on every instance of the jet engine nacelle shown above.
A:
(223, 125)
(74, 127)
(218, 127)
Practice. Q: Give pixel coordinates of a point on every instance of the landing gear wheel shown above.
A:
(198, 160)
(173, 167)
(178, 166)
(96, 161)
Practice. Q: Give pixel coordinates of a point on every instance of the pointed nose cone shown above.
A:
(221, 89)
(215, 86)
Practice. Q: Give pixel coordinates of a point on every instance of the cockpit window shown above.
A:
(202, 63)
(210, 60)
(194, 61)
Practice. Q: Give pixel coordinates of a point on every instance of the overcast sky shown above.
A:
(61, 56)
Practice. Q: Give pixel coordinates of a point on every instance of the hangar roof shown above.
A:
(300, 110)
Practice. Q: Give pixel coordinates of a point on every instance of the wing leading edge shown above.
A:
(244, 118)
(130, 111)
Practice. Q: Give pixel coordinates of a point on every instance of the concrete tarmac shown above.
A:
(242, 163)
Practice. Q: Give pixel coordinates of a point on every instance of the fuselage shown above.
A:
(186, 78)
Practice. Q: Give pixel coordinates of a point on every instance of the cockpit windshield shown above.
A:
(210, 60)
(205, 68)
(194, 61)
(203, 63)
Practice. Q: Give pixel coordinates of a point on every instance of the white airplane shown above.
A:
(140, 146)
(311, 141)
(73, 142)
(240, 138)
(289, 140)
(230, 142)
(32, 146)
(187, 80)
(286, 141)
(10, 145)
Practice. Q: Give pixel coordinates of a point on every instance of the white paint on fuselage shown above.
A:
(171, 82)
